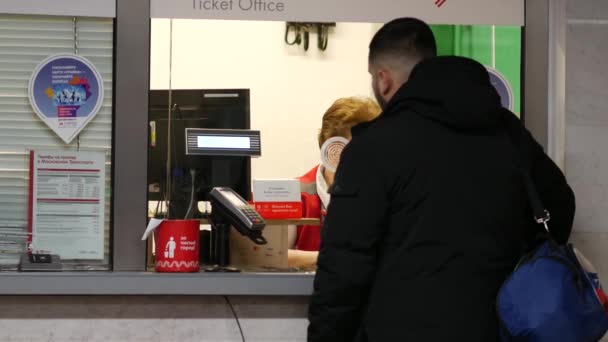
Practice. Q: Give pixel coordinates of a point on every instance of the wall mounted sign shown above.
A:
(76, 8)
(464, 12)
(66, 92)
(502, 87)
(67, 204)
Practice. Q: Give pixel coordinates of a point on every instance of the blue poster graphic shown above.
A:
(503, 88)
(66, 92)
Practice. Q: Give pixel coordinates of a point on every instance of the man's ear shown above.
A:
(386, 82)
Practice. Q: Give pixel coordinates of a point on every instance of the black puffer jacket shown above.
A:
(429, 214)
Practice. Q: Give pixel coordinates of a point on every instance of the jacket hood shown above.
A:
(453, 91)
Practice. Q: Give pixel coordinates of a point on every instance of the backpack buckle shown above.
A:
(544, 220)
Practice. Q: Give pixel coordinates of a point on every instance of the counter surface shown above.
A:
(284, 222)
(150, 283)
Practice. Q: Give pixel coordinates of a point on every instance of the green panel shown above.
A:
(508, 59)
(443, 34)
(475, 42)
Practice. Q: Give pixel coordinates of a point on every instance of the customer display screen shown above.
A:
(223, 142)
(207, 141)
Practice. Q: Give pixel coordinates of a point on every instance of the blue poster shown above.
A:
(502, 87)
(66, 92)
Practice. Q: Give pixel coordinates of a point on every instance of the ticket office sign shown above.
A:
(462, 12)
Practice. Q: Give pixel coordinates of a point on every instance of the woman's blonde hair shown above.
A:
(345, 113)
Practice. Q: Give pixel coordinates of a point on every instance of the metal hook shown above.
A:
(322, 36)
(306, 29)
(296, 30)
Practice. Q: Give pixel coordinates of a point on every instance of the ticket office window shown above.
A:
(79, 234)
(288, 88)
(268, 85)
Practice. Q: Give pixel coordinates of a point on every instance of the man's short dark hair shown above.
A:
(403, 37)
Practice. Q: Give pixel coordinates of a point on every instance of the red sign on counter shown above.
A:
(277, 199)
(279, 210)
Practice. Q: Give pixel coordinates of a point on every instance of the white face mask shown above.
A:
(331, 152)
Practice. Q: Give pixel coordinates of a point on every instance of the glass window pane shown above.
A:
(288, 90)
(25, 41)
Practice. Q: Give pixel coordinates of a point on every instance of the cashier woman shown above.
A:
(304, 241)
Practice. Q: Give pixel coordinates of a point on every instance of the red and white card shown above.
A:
(277, 198)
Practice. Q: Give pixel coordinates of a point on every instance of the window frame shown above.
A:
(129, 184)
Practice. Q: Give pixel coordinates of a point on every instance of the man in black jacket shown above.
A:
(429, 212)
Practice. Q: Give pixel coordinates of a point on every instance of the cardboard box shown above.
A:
(245, 253)
(277, 198)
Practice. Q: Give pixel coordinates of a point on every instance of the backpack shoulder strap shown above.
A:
(522, 141)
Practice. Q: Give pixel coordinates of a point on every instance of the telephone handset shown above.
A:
(228, 206)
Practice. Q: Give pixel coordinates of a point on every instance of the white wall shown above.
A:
(290, 88)
(587, 126)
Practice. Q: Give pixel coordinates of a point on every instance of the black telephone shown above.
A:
(230, 208)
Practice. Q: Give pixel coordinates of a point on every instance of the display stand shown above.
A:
(220, 237)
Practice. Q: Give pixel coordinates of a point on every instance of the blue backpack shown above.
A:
(550, 297)
(554, 294)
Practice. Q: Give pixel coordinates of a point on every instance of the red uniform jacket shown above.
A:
(309, 237)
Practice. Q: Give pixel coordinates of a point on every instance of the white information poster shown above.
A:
(67, 204)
